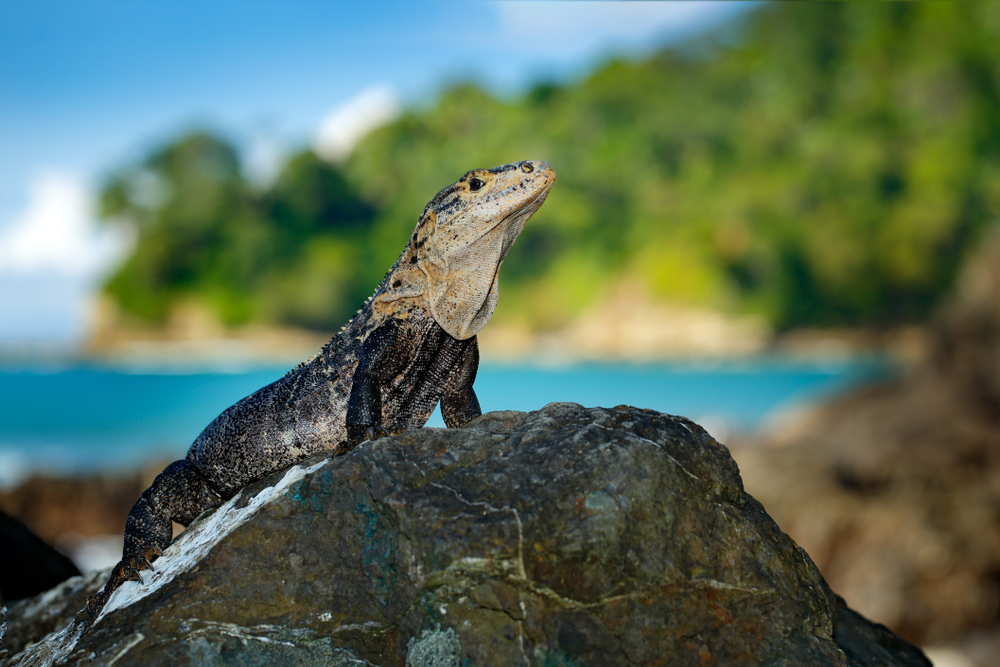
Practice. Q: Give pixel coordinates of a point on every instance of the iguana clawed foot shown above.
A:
(126, 570)
(141, 562)
(368, 433)
(375, 432)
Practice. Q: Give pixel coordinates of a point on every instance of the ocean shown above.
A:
(87, 418)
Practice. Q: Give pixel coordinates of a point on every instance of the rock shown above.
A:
(894, 489)
(28, 565)
(60, 509)
(28, 621)
(967, 328)
(567, 536)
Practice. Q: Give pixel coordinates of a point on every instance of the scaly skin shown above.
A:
(412, 345)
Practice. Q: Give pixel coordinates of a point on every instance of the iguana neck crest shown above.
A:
(464, 233)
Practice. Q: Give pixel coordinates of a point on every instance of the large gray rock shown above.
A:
(966, 331)
(567, 536)
(28, 565)
(894, 489)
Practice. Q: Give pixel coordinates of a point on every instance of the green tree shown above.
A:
(818, 163)
(288, 254)
(823, 163)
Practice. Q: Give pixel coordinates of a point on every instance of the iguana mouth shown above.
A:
(534, 203)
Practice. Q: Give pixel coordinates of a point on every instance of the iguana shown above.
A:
(411, 345)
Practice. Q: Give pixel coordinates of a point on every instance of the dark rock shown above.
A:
(567, 536)
(894, 489)
(868, 644)
(28, 565)
(28, 621)
(57, 508)
(967, 328)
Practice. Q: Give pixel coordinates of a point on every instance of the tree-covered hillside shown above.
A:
(826, 164)
(293, 253)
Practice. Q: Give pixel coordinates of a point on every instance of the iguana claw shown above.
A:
(95, 603)
(375, 432)
(126, 570)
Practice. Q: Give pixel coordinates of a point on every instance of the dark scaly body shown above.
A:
(411, 346)
(304, 413)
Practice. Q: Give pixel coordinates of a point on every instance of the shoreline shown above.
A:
(625, 327)
(710, 340)
(118, 417)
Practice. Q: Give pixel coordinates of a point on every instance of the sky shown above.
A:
(87, 87)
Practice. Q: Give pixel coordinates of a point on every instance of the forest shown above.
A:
(819, 164)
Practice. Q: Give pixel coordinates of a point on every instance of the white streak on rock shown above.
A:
(56, 647)
(195, 543)
(132, 641)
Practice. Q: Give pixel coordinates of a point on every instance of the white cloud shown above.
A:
(346, 125)
(263, 158)
(51, 259)
(58, 234)
(41, 309)
(583, 26)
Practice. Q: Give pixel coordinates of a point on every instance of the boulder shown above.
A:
(894, 489)
(28, 565)
(62, 510)
(966, 330)
(566, 536)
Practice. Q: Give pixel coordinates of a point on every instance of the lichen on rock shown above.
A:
(434, 648)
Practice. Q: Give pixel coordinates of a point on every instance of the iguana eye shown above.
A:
(476, 184)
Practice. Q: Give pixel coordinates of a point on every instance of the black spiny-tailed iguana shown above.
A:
(412, 345)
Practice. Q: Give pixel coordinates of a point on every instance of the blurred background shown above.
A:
(778, 219)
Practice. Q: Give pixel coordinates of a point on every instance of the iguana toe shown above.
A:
(375, 432)
(95, 603)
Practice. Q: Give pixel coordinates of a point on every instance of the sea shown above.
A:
(70, 419)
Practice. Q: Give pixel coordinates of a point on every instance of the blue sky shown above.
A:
(88, 86)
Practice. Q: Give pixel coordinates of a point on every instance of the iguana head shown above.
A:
(464, 234)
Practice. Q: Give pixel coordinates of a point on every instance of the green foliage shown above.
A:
(825, 164)
(287, 254)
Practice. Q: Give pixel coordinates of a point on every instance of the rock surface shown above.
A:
(62, 511)
(28, 565)
(894, 490)
(567, 536)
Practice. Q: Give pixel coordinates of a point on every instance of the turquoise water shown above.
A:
(73, 419)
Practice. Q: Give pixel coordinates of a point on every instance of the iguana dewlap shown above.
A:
(412, 345)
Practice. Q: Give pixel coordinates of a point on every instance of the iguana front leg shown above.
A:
(179, 493)
(459, 403)
(380, 361)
